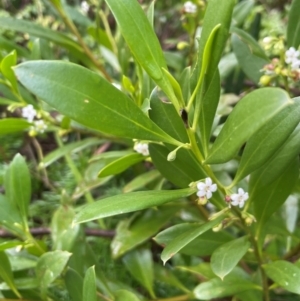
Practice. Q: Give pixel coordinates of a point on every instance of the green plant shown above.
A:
(205, 177)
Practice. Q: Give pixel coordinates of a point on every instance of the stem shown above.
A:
(87, 51)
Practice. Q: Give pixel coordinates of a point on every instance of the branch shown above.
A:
(46, 231)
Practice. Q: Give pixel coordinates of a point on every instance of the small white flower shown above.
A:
(39, 126)
(142, 148)
(291, 55)
(29, 113)
(206, 189)
(84, 6)
(189, 7)
(295, 64)
(239, 199)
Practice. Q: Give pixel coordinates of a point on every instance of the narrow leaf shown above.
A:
(89, 285)
(13, 125)
(124, 295)
(140, 265)
(227, 256)
(185, 238)
(285, 274)
(129, 202)
(293, 29)
(87, 98)
(249, 115)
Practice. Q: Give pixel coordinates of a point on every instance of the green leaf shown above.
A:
(249, 62)
(141, 180)
(268, 198)
(87, 98)
(74, 284)
(293, 28)
(73, 147)
(117, 166)
(217, 288)
(124, 295)
(6, 273)
(129, 202)
(264, 143)
(185, 238)
(42, 32)
(142, 41)
(21, 284)
(209, 104)
(89, 285)
(247, 117)
(9, 45)
(140, 265)
(241, 11)
(255, 48)
(133, 232)
(285, 274)
(279, 162)
(7, 62)
(217, 12)
(203, 245)
(13, 125)
(18, 185)
(49, 267)
(227, 256)
(63, 233)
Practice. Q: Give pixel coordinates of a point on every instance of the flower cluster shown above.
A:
(142, 148)
(206, 189)
(39, 126)
(189, 7)
(292, 58)
(84, 7)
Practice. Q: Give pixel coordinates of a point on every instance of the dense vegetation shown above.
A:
(149, 150)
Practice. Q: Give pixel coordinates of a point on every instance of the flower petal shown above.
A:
(213, 187)
(208, 194)
(201, 193)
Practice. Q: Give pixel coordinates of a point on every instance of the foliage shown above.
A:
(137, 166)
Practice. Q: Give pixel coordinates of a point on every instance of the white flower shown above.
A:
(39, 126)
(291, 55)
(84, 6)
(189, 7)
(206, 189)
(238, 199)
(295, 64)
(29, 113)
(142, 148)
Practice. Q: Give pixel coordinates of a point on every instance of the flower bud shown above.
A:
(218, 227)
(202, 201)
(265, 80)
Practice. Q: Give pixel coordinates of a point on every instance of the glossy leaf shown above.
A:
(129, 202)
(89, 285)
(6, 273)
(203, 245)
(124, 295)
(217, 288)
(241, 11)
(208, 109)
(227, 256)
(248, 116)
(76, 92)
(188, 236)
(139, 264)
(293, 29)
(141, 181)
(217, 12)
(279, 161)
(7, 62)
(264, 143)
(142, 41)
(49, 267)
(69, 148)
(18, 185)
(133, 232)
(13, 125)
(249, 62)
(285, 274)
(268, 198)
(121, 164)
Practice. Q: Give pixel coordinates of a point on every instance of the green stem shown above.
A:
(87, 51)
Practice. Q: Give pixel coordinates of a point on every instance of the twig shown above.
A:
(46, 231)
